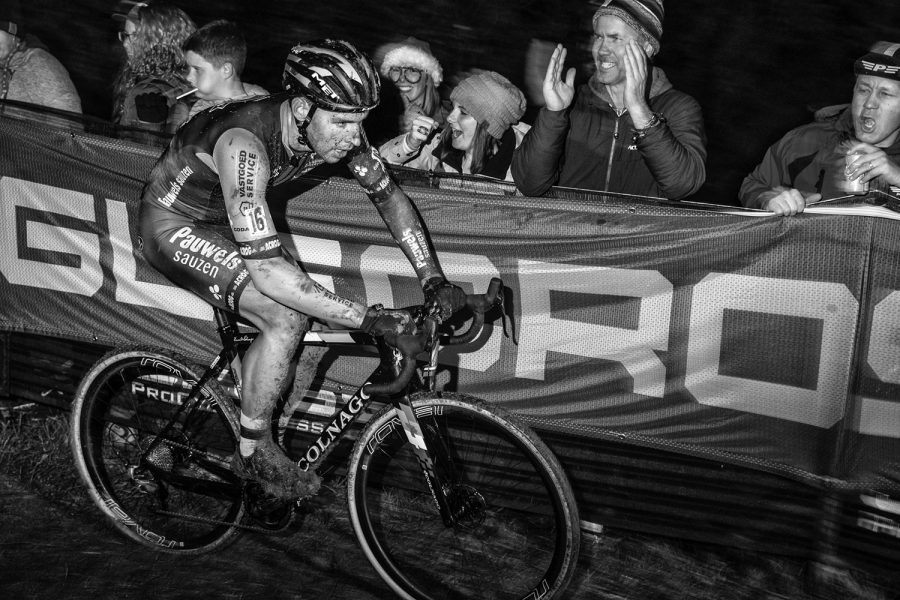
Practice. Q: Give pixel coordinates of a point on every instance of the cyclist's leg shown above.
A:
(266, 367)
(266, 374)
(203, 259)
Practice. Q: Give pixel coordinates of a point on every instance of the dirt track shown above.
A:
(47, 554)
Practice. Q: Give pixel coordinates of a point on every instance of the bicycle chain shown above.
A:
(207, 520)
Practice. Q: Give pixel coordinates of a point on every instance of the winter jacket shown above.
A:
(34, 75)
(807, 159)
(588, 146)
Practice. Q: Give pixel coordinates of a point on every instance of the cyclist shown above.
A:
(206, 225)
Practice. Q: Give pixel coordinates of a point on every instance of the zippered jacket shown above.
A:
(807, 159)
(588, 146)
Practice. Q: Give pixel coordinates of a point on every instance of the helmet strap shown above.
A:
(302, 138)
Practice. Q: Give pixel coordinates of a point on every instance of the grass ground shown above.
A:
(614, 566)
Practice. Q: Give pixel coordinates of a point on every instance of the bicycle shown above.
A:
(449, 497)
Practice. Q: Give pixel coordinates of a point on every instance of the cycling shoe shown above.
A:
(277, 474)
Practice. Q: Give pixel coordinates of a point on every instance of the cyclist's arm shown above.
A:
(397, 211)
(243, 166)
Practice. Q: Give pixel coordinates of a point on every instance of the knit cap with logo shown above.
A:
(882, 60)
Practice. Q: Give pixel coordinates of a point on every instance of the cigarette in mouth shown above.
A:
(186, 94)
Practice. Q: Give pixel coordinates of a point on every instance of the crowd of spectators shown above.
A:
(627, 129)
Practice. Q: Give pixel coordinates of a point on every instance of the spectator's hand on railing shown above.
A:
(786, 201)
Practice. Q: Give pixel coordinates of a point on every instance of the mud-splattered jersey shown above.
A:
(182, 180)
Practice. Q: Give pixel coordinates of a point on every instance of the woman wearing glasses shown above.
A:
(150, 79)
(416, 75)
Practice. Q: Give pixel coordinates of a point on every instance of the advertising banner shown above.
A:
(767, 341)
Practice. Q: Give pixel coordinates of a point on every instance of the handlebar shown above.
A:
(411, 345)
(479, 304)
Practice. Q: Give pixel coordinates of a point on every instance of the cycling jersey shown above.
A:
(187, 229)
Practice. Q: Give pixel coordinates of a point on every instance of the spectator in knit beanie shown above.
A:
(648, 136)
(853, 150)
(28, 72)
(481, 132)
(414, 76)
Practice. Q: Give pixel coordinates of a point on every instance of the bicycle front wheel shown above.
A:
(163, 481)
(517, 532)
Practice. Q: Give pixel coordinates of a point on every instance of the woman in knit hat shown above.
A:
(417, 75)
(150, 80)
(480, 135)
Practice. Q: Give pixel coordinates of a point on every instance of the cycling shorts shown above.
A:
(197, 256)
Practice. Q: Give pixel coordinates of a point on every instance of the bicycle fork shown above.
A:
(434, 456)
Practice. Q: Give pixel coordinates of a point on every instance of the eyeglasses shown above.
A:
(412, 74)
(124, 35)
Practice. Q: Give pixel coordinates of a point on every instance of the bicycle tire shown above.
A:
(526, 543)
(182, 498)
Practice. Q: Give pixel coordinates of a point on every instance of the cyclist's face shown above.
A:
(410, 81)
(333, 134)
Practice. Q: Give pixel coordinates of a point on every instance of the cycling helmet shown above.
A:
(334, 76)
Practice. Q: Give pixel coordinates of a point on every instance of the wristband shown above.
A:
(655, 121)
(432, 283)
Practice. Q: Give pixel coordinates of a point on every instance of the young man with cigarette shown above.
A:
(215, 55)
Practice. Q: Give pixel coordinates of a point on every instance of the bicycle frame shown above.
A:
(234, 344)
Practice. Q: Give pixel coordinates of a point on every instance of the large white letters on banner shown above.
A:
(86, 276)
(310, 251)
(633, 348)
(378, 262)
(882, 417)
(832, 303)
(129, 290)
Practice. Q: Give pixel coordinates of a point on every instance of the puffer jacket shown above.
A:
(588, 146)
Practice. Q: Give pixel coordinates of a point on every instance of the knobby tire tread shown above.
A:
(88, 446)
(377, 548)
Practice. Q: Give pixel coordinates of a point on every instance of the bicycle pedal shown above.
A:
(267, 511)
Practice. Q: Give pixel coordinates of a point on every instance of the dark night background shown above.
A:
(757, 67)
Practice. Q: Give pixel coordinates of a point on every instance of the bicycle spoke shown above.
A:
(515, 531)
(145, 462)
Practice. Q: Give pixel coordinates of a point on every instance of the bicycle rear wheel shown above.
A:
(171, 490)
(518, 534)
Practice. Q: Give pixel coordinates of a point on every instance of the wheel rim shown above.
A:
(180, 496)
(510, 540)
